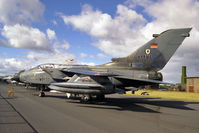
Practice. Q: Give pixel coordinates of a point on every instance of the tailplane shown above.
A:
(155, 54)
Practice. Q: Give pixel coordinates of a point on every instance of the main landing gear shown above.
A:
(85, 98)
(68, 95)
(41, 93)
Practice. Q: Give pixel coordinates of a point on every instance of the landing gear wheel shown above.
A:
(68, 95)
(85, 98)
(41, 94)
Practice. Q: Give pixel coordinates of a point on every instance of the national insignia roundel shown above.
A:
(147, 51)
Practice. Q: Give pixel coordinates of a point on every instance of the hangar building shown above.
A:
(192, 84)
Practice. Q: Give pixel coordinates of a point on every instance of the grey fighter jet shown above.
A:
(137, 69)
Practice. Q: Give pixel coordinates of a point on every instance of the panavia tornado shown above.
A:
(137, 69)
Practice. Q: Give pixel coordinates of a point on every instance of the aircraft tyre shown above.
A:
(41, 94)
(85, 98)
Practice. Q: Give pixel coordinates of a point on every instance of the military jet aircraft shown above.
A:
(137, 69)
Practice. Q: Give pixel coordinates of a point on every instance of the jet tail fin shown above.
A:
(155, 54)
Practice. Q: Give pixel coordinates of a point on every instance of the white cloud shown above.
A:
(88, 63)
(3, 43)
(20, 36)
(83, 55)
(20, 11)
(65, 45)
(32, 59)
(12, 62)
(91, 56)
(101, 56)
(54, 22)
(113, 34)
(16, 17)
(177, 14)
(128, 30)
(51, 34)
(94, 23)
(61, 46)
(11, 65)
(57, 57)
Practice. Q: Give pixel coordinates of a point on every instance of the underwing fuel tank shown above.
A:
(76, 90)
(79, 88)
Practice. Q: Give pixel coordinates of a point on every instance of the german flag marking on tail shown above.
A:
(154, 46)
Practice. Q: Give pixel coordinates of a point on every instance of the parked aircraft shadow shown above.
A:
(136, 104)
(132, 103)
(119, 105)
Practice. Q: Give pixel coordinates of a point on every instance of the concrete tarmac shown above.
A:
(25, 112)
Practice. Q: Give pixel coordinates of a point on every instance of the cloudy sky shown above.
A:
(34, 32)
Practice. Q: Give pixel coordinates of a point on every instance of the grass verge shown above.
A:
(171, 95)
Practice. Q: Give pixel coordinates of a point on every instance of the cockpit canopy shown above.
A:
(48, 65)
(51, 65)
